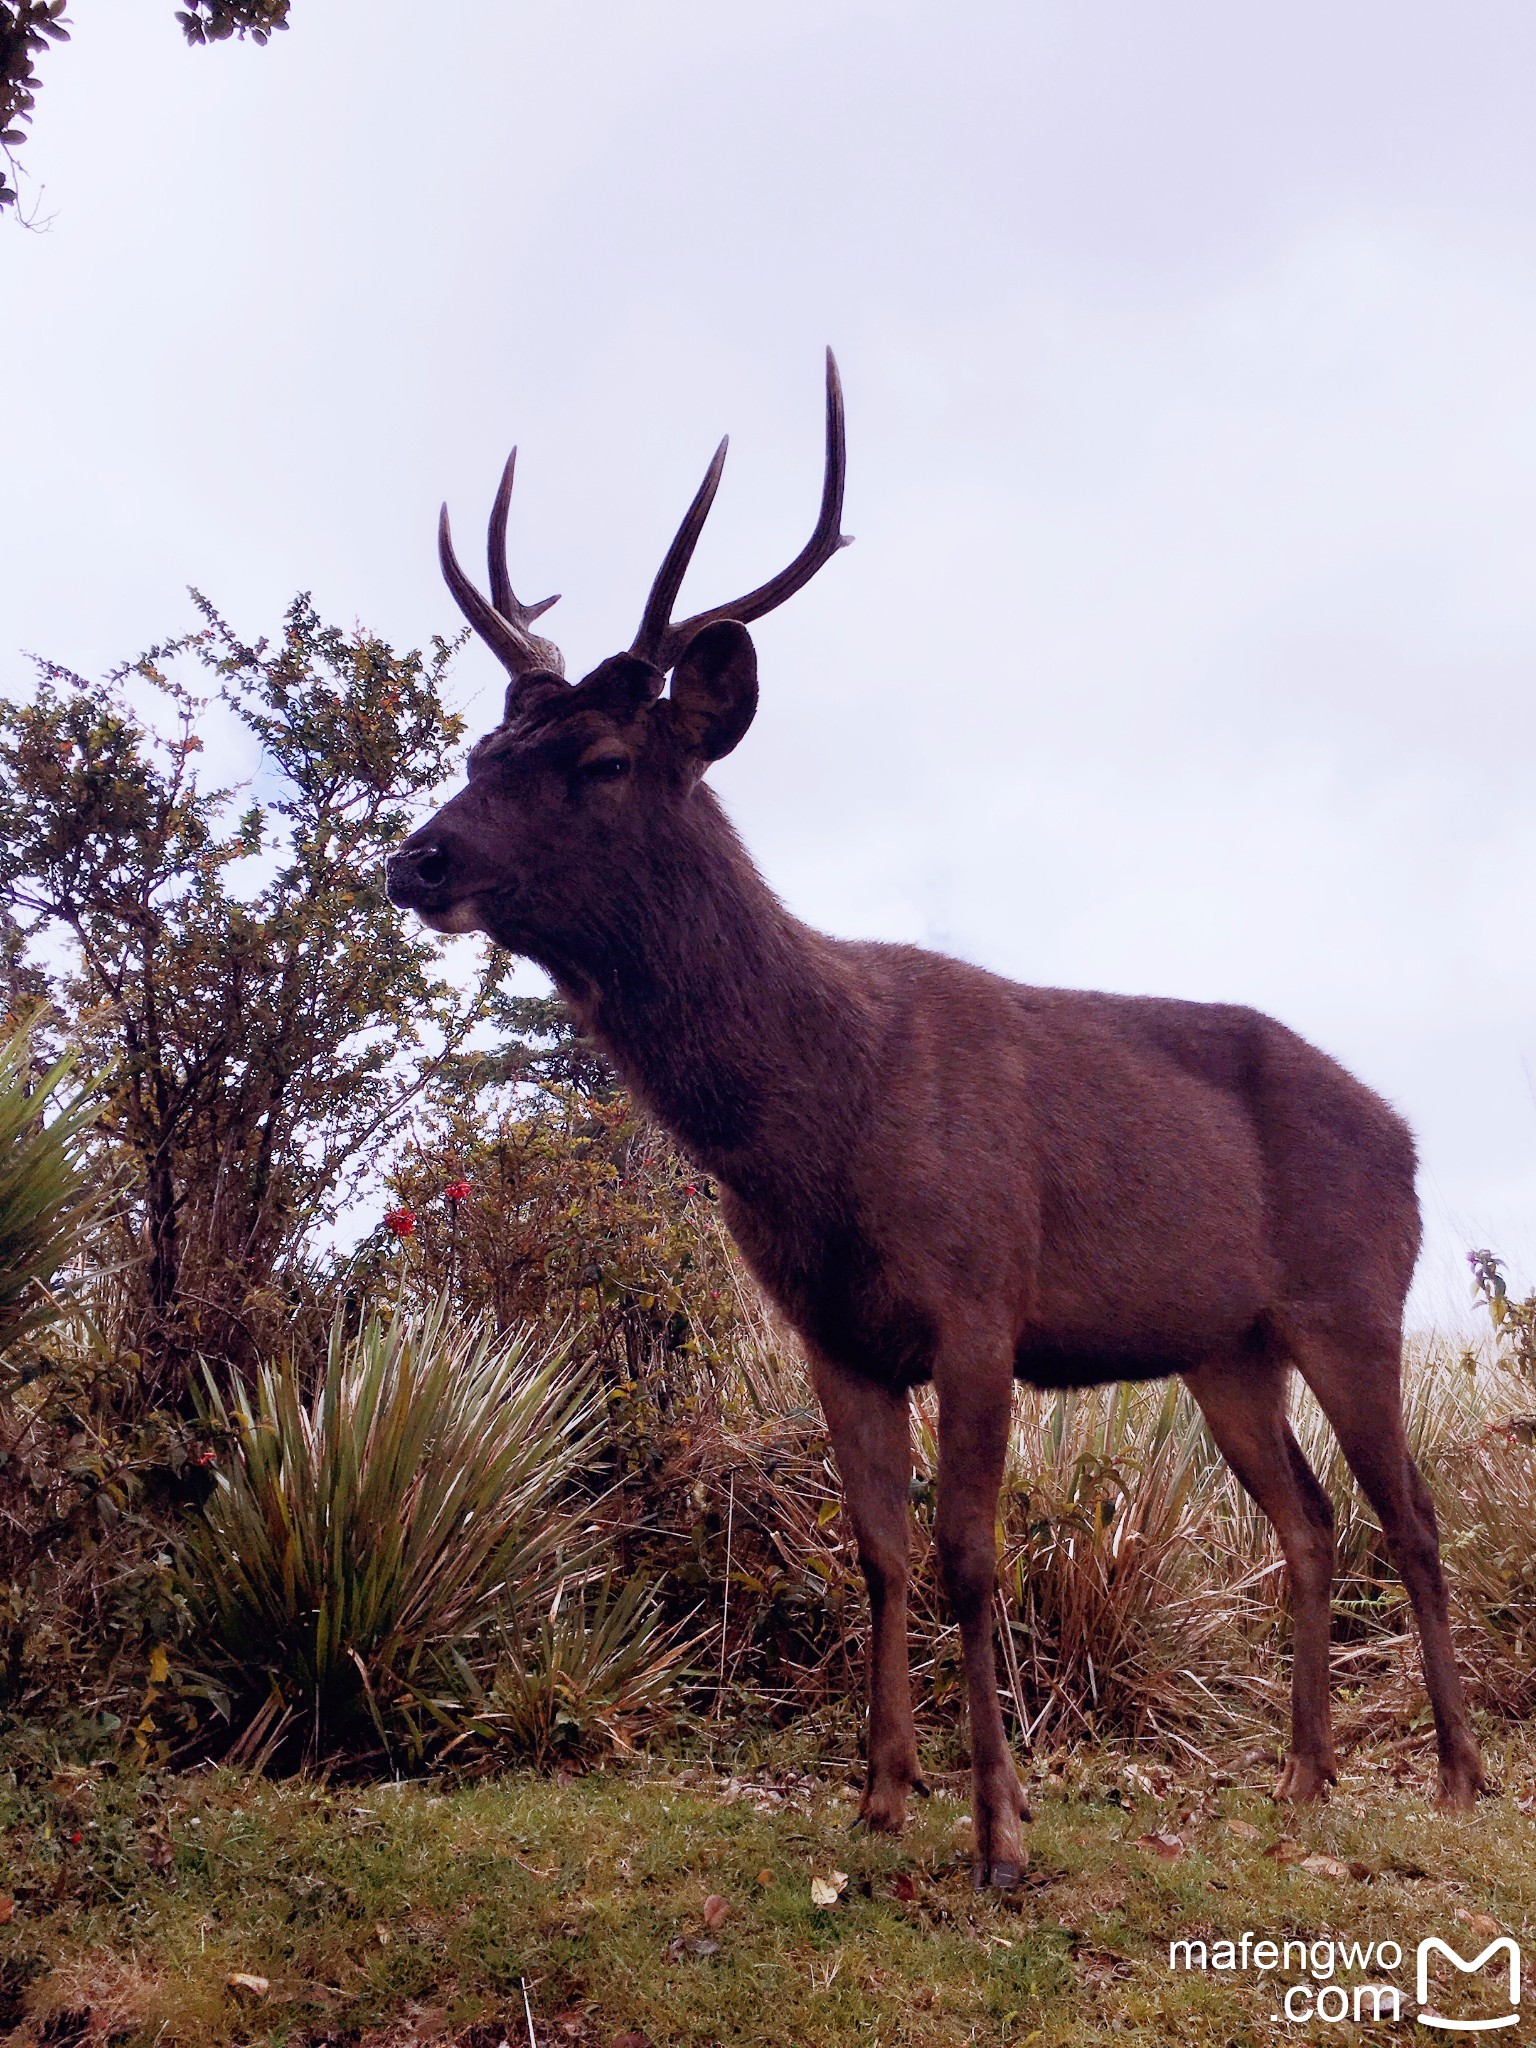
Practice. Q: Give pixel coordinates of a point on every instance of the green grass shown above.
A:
(392, 1915)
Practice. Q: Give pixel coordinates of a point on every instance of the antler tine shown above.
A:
(501, 622)
(659, 640)
(652, 640)
(499, 560)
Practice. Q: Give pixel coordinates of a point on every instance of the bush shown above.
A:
(91, 1487)
(265, 1015)
(84, 1592)
(564, 1205)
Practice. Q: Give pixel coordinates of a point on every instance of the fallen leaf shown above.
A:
(826, 1891)
(1245, 1828)
(243, 1980)
(629, 2041)
(692, 1945)
(1325, 1866)
(1480, 1923)
(1167, 1846)
(1098, 1966)
(716, 1911)
(765, 1877)
(7, 1910)
(1286, 1851)
(1154, 1783)
(905, 1889)
(382, 1932)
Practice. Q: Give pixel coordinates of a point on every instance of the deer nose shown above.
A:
(416, 871)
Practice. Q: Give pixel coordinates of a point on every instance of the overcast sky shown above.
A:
(1189, 644)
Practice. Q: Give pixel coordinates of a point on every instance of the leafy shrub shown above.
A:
(91, 1487)
(263, 1011)
(565, 1204)
(85, 1599)
(1513, 1320)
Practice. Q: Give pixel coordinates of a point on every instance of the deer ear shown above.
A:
(714, 689)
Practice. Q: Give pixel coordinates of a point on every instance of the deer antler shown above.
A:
(659, 640)
(502, 622)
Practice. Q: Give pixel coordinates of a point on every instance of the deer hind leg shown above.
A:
(975, 1411)
(871, 1437)
(1358, 1384)
(1244, 1404)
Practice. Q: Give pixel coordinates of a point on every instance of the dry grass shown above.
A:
(1120, 1522)
(1141, 1594)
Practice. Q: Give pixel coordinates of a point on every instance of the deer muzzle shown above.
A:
(420, 878)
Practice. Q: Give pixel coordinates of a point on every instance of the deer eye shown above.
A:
(606, 768)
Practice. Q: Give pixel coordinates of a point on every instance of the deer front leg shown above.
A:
(871, 1437)
(975, 1406)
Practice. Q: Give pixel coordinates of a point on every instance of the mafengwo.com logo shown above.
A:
(1330, 1982)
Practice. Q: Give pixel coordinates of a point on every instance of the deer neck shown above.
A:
(737, 1026)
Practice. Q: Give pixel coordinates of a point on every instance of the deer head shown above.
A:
(584, 790)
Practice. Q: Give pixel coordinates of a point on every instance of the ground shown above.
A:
(678, 1904)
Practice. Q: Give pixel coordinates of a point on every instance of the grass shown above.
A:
(390, 1915)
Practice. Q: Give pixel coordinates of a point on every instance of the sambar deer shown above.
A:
(939, 1175)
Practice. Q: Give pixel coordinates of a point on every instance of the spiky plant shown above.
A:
(365, 1546)
(595, 1672)
(48, 1203)
(1115, 1542)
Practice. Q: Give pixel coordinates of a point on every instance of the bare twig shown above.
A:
(725, 1610)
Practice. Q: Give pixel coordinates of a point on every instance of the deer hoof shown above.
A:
(1303, 1781)
(1460, 1786)
(884, 1811)
(997, 1877)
